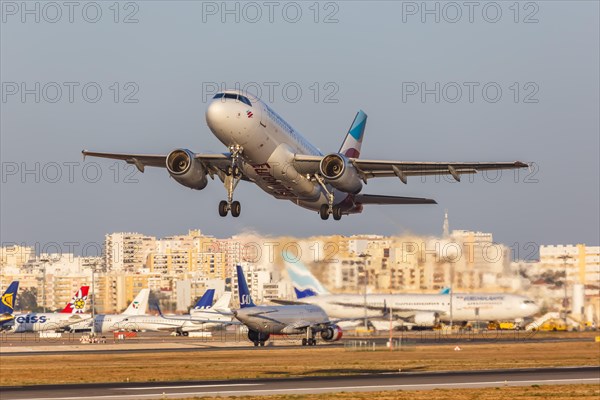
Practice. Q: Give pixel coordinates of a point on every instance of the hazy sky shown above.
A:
(493, 82)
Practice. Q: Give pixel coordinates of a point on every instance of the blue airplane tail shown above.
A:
(243, 291)
(305, 283)
(206, 301)
(8, 300)
(445, 290)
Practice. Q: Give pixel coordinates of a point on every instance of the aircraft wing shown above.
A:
(402, 169)
(213, 162)
(401, 312)
(287, 302)
(381, 199)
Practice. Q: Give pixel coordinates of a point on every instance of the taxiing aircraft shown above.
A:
(71, 314)
(264, 321)
(7, 306)
(104, 323)
(264, 149)
(416, 309)
(203, 317)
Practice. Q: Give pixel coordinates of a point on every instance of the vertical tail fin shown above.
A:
(139, 305)
(354, 137)
(78, 302)
(223, 302)
(243, 291)
(305, 283)
(7, 302)
(206, 301)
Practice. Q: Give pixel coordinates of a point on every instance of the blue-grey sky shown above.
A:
(543, 56)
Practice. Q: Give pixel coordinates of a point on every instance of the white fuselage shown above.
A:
(38, 322)
(465, 307)
(176, 323)
(278, 319)
(269, 144)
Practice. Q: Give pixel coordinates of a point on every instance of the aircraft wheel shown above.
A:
(236, 209)
(324, 212)
(337, 213)
(304, 342)
(262, 344)
(185, 333)
(223, 208)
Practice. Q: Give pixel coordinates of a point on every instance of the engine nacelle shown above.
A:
(332, 333)
(186, 170)
(425, 319)
(340, 173)
(255, 336)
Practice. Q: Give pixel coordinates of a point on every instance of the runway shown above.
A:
(15, 346)
(305, 385)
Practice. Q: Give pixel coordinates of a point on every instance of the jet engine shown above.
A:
(255, 336)
(332, 333)
(425, 319)
(6, 321)
(186, 170)
(340, 173)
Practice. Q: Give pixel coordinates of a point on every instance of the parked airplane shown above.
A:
(71, 314)
(202, 318)
(264, 321)
(266, 150)
(417, 309)
(7, 306)
(104, 323)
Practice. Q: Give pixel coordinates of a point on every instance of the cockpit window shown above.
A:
(234, 96)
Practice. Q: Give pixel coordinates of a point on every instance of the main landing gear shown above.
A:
(233, 176)
(329, 208)
(310, 339)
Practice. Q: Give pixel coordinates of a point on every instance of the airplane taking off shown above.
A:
(416, 309)
(71, 314)
(104, 323)
(7, 306)
(264, 321)
(266, 150)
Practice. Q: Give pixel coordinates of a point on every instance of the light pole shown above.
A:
(564, 259)
(44, 262)
(451, 294)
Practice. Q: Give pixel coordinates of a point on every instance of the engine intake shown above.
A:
(186, 169)
(332, 333)
(425, 319)
(340, 173)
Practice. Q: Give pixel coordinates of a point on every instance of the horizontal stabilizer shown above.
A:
(381, 199)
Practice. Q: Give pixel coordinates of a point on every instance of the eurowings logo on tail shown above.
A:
(78, 302)
(305, 283)
(354, 137)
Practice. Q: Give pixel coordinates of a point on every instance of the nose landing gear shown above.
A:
(233, 176)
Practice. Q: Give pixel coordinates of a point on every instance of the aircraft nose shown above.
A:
(216, 114)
